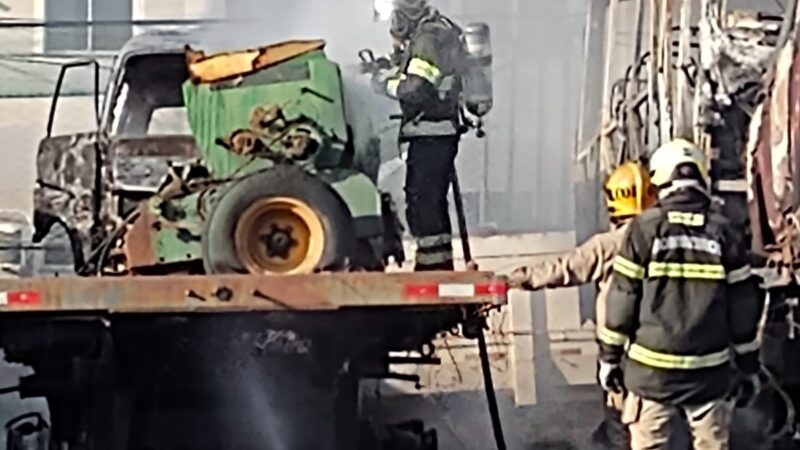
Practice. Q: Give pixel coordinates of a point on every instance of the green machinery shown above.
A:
(275, 189)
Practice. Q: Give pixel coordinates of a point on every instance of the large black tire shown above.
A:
(218, 241)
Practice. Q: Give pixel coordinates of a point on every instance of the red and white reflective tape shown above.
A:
(20, 298)
(455, 290)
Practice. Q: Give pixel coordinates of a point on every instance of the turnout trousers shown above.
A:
(430, 164)
(651, 425)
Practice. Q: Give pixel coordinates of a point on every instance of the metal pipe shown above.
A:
(415, 360)
(31, 23)
(512, 124)
(462, 220)
(789, 21)
(664, 57)
(704, 40)
(633, 128)
(587, 72)
(390, 376)
(683, 107)
(606, 150)
(653, 134)
(9, 390)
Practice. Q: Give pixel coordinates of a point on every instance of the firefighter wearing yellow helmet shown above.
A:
(682, 303)
(628, 192)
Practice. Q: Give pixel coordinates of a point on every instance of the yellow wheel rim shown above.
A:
(279, 235)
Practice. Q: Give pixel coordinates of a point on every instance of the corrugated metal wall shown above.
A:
(538, 67)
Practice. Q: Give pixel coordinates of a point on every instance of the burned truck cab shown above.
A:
(92, 184)
(87, 181)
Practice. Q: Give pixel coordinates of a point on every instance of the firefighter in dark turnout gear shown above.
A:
(682, 301)
(428, 85)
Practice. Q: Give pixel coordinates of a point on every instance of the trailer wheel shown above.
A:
(279, 221)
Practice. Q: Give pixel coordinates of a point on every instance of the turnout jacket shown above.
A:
(682, 303)
(591, 261)
(428, 85)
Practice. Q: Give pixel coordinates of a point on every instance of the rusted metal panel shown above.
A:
(770, 149)
(144, 163)
(232, 293)
(183, 147)
(138, 246)
(65, 180)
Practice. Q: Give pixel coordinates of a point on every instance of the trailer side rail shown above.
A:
(238, 293)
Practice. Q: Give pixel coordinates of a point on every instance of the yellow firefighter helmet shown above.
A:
(628, 191)
(678, 159)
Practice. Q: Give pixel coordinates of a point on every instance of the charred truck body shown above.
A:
(218, 305)
(283, 116)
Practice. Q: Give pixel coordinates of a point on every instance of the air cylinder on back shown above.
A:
(477, 79)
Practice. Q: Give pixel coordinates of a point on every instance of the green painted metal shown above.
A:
(177, 237)
(357, 191)
(308, 85)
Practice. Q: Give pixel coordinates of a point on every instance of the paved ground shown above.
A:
(463, 422)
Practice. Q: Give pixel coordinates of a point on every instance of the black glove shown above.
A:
(383, 63)
(746, 389)
(610, 377)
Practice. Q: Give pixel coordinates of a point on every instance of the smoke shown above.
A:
(524, 166)
(347, 25)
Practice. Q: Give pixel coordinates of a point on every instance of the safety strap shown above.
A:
(740, 274)
(747, 347)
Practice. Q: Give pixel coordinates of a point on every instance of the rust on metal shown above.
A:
(771, 146)
(239, 293)
(222, 66)
(138, 246)
(184, 147)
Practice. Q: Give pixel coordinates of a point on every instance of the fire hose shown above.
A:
(477, 330)
(789, 420)
(491, 398)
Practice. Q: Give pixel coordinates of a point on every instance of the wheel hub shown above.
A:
(279, 235)
(279, 241)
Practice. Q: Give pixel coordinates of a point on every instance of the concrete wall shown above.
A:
(22, 124)
(22, 40)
